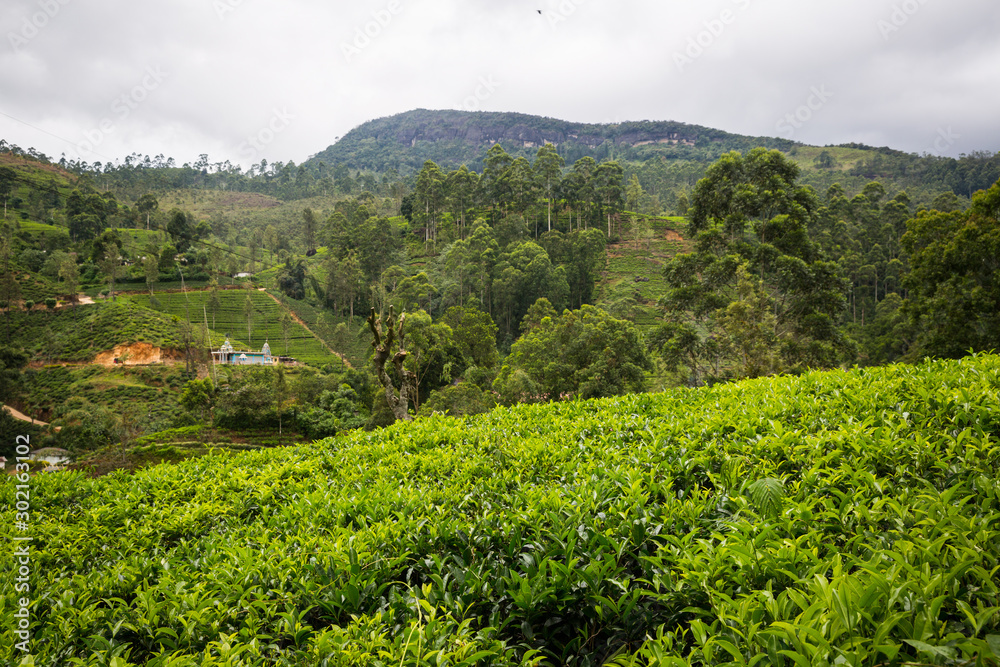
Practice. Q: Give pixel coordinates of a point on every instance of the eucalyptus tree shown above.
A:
(609, 187)
(430, 196)
(461, 185)
(748, 210)
(548, 167)
(493, 185)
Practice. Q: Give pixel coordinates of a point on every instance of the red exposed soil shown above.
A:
(137, 354)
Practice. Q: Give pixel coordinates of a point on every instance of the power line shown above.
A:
(56, 136)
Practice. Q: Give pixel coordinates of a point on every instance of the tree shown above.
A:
(214, 303)
(433, 356)
(111, 265)
(388, 343)
(414, 293)
(345, 282)
(430, 196)
(548, 167)
(247, 398)
(954, 282)
(475, 334)
(248, 309)
(608, 184)
(465, 398)
(151, 268)
(461, 188)
(146, 205)
(291, 279)
(286, 322)
(492, 183)
(633, 193)
(271, 239)
(522, 274)
(8, 179)
(748, 209)
(751, 328)
(281, 396)
(578, 189)
(85, 226)
(519, 183)
(585, 353)
(69, 272)
(309, 227)
(198, 395)
(12, 360)
(583, 255)
(181, 229)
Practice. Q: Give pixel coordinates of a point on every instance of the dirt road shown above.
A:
(16, 414)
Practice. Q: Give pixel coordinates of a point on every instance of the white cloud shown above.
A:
(232, 64)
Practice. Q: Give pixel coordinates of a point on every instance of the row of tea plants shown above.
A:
(837, 518)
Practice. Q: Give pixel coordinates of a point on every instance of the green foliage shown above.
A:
(955, 280)
(583, 353)
(246, 397)
(749, 210)
(197, 396)
(464, 398)
(623, 531)
(767, 495)
(475, 334)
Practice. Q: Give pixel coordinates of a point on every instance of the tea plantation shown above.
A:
(840, 518)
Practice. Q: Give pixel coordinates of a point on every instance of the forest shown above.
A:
(520, 278)
(682, 404)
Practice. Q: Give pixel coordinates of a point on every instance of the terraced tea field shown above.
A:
(838, 518)
(231, 318)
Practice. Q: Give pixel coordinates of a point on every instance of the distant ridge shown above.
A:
(451, 138)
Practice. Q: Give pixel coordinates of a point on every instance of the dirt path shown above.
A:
(17, 414)
(304, 326)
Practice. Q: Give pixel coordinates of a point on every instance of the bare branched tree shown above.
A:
(389, 344)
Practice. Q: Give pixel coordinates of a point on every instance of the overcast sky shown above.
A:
(249, 79)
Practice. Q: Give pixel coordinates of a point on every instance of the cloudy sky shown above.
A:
(242, 80)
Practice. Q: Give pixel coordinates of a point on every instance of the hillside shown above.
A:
(832, 518)
(452, 138)
(673, 155)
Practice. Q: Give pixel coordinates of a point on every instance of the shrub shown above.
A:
(50, 303)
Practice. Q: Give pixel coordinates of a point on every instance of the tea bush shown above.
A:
(837, 518)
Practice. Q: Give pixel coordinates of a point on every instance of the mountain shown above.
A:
(452, 138)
